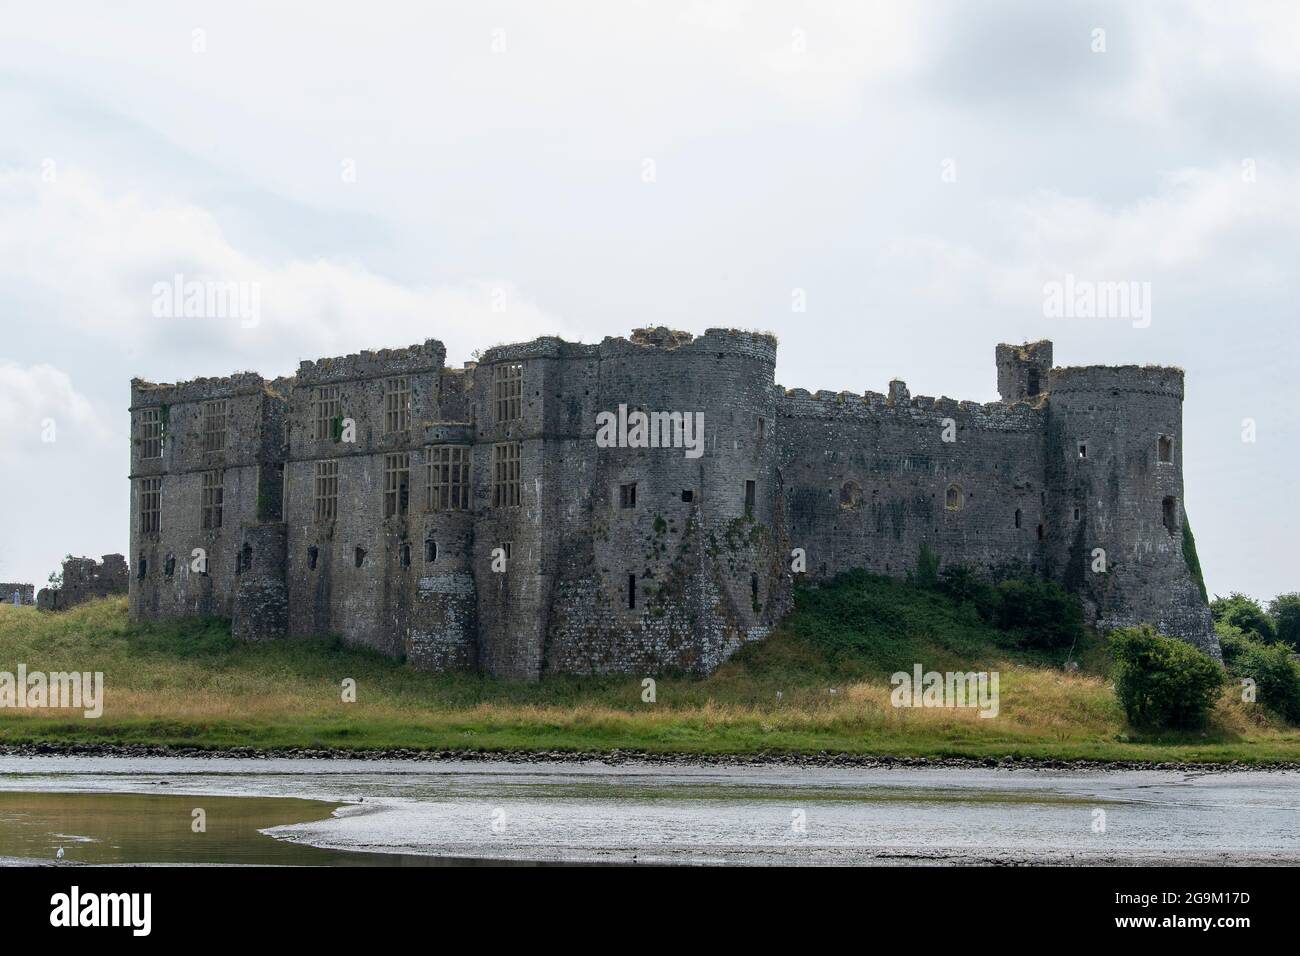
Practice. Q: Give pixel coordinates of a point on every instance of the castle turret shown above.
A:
(1023, 370)
(1116, 529)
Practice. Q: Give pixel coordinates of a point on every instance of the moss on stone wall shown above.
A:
(1193, 561)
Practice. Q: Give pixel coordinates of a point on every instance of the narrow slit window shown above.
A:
(313, 555)
(631, 592)
(627, 495)
(750, 489)
(1169, 508)
(1018, 517)
(1165, 449)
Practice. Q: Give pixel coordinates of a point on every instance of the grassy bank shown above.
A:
(189, 684)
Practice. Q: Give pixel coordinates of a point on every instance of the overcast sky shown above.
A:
(388, 173)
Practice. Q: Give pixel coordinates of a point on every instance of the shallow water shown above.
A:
(336, 811)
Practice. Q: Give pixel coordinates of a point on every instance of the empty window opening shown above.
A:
(631, 592)
(430, 550)
(1083, 449)
(313, 554)
(359, 556)
(448, 478)
(1018, 517)
(1165, 448)
(213, 495)
(505, 475)
(953, 500)
(404, 555)
(169, 567)
(150, 505)
(750, 488)
(328, 415)
(1076, 514)
(142, 566)
(508, 391)
(397, 404)
(1170, 508)
(850, 495)
(753, 586)
(1032, 384)
(627, 495)
(1040, 532)
(761, 428)
(214, 425)
(327, 490)
(246, 558)
(397, 483)
(688, 495)
(151, 433)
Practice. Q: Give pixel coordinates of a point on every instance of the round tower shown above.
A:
(1116, 531)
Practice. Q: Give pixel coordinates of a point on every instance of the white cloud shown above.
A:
(92, 259)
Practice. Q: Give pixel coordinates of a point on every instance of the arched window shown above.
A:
(850, 495)
(1170, 508)
(953, 500)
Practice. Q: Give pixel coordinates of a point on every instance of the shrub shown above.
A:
(1276, 675)
(1244, 613)
(1285, 612)
(1163, 682)
(1041, 611)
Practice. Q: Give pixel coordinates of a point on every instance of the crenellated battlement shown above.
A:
(428, 356)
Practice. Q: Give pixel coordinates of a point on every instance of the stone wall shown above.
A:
(85, 579)
(26, 593)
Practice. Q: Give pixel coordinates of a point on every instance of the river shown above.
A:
(353, 812)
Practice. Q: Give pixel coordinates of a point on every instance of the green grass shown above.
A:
(188, 683)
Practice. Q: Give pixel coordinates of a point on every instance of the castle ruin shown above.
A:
(641, 505)
(84, 579)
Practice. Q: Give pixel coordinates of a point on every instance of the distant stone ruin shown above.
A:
(26, 593)
(85, 579)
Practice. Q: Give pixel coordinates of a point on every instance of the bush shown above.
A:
(1285, 612)
(1244, 613)
(1163, 682)
(1044, 614)
(1276, 675)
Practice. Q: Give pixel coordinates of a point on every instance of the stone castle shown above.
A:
(642, 505)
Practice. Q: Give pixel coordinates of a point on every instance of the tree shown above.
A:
(1245, 613)
(1285, 612)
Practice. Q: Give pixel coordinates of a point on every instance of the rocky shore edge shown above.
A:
(617, 757)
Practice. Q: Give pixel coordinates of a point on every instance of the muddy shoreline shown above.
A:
(622, 757)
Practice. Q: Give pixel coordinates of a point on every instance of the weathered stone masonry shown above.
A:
(557, 555)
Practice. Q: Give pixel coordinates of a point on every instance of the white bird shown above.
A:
(59, 855)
